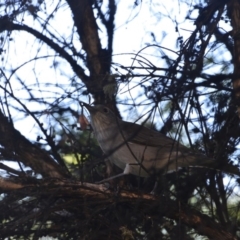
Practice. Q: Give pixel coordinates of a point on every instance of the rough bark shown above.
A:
(151, 205)
(18, 148)
(98, 59)
(234, 14)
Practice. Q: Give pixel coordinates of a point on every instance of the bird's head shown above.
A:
(101, 117)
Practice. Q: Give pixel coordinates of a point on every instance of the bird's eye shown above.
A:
(105, 110)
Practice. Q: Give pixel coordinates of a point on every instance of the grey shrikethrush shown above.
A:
(139, 150)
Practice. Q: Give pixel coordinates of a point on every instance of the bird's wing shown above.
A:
(141, 135)
(148, 137)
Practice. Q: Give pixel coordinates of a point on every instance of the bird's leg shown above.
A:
(126, 171)
(159, 184)
(153, 192)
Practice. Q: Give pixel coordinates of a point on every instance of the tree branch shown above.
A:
(234, 13)
(24, 151)
(154, 206)
(98, 59)
(7, 25)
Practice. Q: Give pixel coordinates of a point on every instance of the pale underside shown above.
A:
(146, 151)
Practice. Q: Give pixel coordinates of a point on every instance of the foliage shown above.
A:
(190, 93)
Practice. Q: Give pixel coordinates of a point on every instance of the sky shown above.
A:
(135, 30)
(129, 38)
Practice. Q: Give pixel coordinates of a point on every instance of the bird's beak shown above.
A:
(89, 108)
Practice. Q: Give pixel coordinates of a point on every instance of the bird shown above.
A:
(137, 149)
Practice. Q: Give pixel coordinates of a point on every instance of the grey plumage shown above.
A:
(137, 149)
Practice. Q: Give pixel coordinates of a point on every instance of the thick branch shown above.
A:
(234, 14)
(88, 31)
(98, 59)
(109, 24)
(24, 151)
(153, 206)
